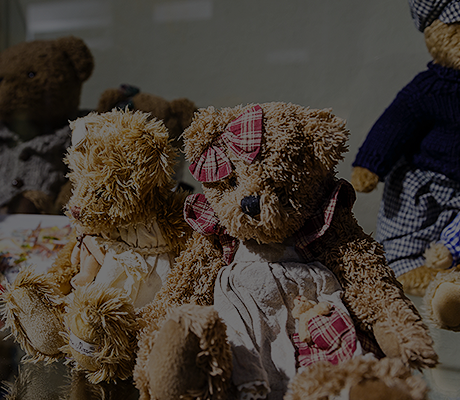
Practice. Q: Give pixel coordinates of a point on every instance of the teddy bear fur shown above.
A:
(176, 114)
(293, 175)
(443, 43)
(120, 164)
(40, 89)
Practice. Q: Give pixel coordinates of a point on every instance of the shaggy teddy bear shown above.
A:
(412, 147)
(129, 227)
(40, 87)
(274, 223)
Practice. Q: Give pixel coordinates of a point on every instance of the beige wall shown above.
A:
(352, 56)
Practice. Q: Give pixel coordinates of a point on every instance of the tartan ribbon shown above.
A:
(334, 339)
(316, 226)
(242, 136)
(199, 214)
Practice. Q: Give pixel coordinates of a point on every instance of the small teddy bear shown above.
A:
(412, 148)
(304, 310)
(40, 87)
(129, 227)
(273, 223)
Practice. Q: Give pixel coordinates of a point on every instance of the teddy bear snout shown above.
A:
(251, 205)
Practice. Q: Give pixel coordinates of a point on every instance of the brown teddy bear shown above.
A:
(412, 147)
(129, 227)
(40, 87)
(274, 223)
(176, 114)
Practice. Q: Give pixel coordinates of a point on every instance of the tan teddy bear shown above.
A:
(412, 148)
(274, 223)
(41, 83)
(129, 227)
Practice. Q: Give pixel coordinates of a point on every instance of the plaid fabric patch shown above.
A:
(199, 214)
(416, 207)
(450, 237)
(334, 339)
(318, 224)
(242, 136)
(424, 12)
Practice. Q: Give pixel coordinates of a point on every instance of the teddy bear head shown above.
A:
(265, 169)
(443, 43)
(120, 163)
(41, 82)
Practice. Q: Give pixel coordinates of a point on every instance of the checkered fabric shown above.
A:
(242, 136)
(333, 336)
(424, 12)
(199, 214)
(416, 206)
(316, 226)
(450, 237)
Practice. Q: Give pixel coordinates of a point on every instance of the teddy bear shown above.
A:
(176, 114)
(129, 228)
(40, 87)
(411, 147)
(273, 223)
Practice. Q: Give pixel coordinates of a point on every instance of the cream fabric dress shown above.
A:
(254, 295)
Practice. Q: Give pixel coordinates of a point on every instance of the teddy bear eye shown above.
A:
(31, 74)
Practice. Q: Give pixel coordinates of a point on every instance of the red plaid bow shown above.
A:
(242, 136)
(201, 217)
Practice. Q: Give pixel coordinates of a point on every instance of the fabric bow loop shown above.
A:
(242, 136)
(199, 214)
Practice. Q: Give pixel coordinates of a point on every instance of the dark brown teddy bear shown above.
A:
(40, 87)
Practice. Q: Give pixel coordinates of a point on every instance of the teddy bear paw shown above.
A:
(438, 256)
(364, 180)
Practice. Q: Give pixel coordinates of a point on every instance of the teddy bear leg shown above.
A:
(33, 311)
(190, 356)
(360, 378)
(417, 280)
(442, 301)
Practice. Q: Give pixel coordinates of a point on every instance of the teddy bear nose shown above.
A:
(251, 205)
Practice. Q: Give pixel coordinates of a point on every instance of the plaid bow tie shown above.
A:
(242, 136)
(199, 214)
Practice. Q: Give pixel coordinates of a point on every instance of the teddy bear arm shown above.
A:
(373, 295)
(63, 269)
(363, 180)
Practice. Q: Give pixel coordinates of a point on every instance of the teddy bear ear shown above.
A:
(79, 54)
(329, 136)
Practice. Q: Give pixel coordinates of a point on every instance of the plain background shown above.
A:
(352, 56)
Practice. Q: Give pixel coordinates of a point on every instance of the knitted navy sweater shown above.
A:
(422, 124)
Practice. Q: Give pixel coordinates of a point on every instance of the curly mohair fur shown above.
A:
(34, 293)
(121, 174)
(325, 381)
(108, 321)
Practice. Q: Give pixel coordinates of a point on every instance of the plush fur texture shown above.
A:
(293, 174)
(324, 381)
(122, 200)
